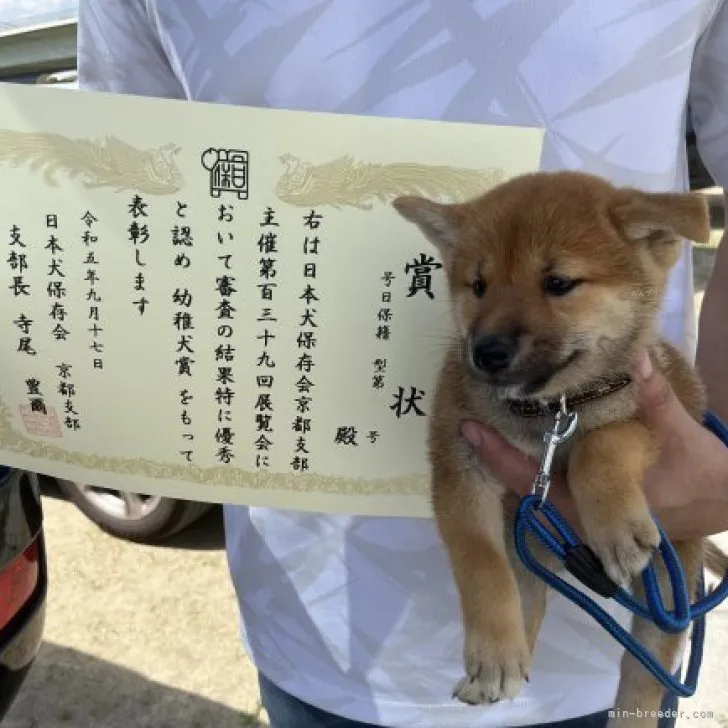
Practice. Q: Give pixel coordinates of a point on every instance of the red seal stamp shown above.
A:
(40, 424)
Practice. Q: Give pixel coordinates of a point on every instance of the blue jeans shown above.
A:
(285, 711)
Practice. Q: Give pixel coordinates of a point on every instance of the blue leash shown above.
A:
(582, 562)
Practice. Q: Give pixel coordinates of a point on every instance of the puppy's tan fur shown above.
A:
(621, 244)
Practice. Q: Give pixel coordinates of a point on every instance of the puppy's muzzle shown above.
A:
(494, 353)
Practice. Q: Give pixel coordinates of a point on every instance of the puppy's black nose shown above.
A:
(494, 352)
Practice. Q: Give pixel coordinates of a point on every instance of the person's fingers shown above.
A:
(659, 405)
(702, 519)
(513, 469)
(507, 464)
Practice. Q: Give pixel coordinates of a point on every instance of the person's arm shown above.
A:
(708, 98)
(120, 51)
(712, 355)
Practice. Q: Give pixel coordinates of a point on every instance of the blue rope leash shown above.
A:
(581, 562)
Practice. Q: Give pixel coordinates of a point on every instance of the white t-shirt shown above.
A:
(360, 615)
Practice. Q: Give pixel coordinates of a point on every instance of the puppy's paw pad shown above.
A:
(489, 678)
(626, 552)
(470, 691)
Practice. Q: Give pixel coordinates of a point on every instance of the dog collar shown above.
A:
(537, 408)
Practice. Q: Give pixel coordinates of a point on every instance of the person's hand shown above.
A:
(687, 489)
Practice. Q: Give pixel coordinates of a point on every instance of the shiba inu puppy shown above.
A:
(556, 281)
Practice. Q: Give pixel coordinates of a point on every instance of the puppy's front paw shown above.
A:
(495, 669)
(626, 548)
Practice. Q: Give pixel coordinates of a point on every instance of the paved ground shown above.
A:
(137, 637)
(708, 708)
(141, 637)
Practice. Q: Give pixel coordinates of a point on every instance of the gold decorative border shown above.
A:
(107, 163)
(14, 441)
(347, 182)
(344, 181)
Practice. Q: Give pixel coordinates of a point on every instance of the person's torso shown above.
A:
(360, 615)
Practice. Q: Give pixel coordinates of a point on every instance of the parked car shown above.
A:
(700, 178)
(133, 516)
(23, 580)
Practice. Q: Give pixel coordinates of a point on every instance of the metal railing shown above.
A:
(43, 48)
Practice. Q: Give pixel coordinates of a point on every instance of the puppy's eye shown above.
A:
(558, 285)
(479, 287)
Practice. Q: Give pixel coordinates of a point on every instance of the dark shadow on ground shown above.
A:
(207, 534)
(69, 689)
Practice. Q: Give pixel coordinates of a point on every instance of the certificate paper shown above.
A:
(219, 303)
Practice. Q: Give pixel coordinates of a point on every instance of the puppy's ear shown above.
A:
(661, 220)
(437, 222)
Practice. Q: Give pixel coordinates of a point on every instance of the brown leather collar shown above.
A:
(537, 408)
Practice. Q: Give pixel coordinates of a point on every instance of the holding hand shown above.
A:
(687, 488)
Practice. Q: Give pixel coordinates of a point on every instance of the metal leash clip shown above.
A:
(564, 427)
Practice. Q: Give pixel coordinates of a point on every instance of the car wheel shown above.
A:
(132, 516)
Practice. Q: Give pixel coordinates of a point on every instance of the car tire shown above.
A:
(152, 521)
